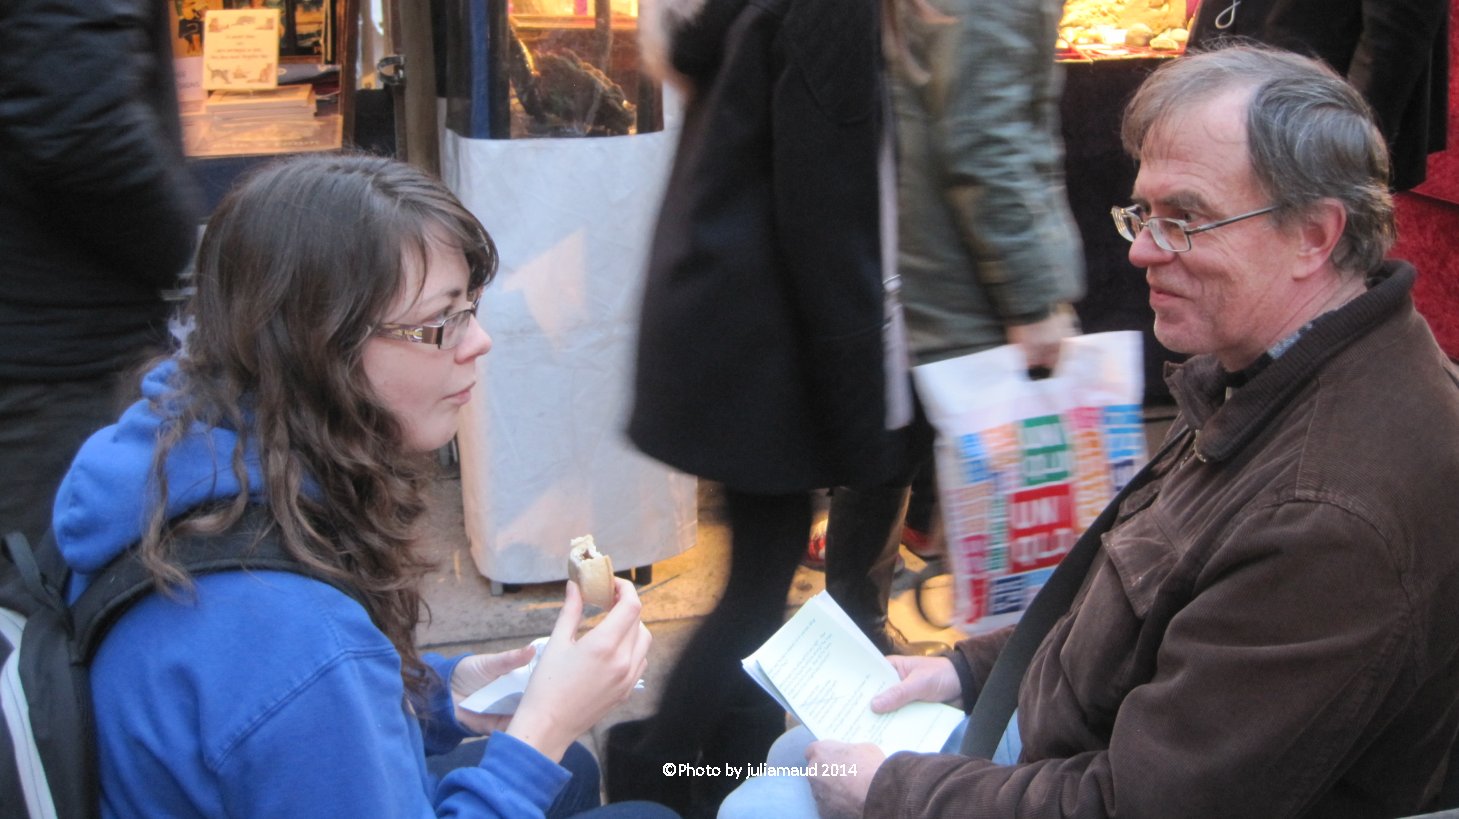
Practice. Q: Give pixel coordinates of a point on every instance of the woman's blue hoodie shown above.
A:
(261, 694)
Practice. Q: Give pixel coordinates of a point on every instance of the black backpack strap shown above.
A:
(999, 696)
(251, 544)
(41, 571)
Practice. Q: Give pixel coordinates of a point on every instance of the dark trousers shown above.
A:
(864, 530)
(922, 502)
(42, 425)
(767, 539)
(711, 712)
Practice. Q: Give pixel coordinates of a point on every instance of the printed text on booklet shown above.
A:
(822, 669)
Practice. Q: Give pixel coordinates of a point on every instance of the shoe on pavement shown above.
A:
(815, 551)
(891, 640)
(920, 543)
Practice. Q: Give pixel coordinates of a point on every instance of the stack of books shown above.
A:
(266, 121)
(286, 103)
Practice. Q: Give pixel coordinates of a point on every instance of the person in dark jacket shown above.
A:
(1396, 52)
(1266, 627)
(97, 219)
(760, 360)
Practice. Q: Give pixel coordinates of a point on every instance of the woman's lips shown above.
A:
(460, 397)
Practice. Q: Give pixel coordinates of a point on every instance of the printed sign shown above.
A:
(241, 50)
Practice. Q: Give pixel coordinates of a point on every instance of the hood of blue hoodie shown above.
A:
(104, 500)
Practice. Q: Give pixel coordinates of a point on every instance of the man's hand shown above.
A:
(924, 679)
(1040, 340)
(476, 671)
(840, 793)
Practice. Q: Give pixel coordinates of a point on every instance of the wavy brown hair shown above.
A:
(297, 267)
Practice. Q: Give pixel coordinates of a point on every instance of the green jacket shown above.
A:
(986, 235)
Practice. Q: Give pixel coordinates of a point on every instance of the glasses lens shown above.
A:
(1169, 235)
(1126, 223)
(455, 329)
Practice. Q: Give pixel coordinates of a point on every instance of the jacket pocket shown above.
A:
(1099, 648)
(1142, 556)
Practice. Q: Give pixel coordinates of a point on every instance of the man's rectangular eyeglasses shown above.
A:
(1172, 235)
(445, 334)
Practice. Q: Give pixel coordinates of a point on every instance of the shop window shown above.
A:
(1123, 29)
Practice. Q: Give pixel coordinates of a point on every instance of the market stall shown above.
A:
(569, 190)
(257, 80)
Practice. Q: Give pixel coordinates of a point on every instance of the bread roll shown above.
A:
(592, 571)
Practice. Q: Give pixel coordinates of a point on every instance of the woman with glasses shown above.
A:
(333, 341)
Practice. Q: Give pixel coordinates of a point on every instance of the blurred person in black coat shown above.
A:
(97, 219)
(760, 359)
(1395, 52)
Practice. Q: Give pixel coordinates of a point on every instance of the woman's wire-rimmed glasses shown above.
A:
(1173, 235)
(445, 334)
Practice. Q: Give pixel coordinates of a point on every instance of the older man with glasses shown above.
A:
(1267, 623)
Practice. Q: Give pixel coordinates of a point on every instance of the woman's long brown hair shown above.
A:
(297, 266)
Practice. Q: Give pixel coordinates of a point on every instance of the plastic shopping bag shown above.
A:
(1024, 466)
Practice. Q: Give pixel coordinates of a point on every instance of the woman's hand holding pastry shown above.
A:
(580, 678)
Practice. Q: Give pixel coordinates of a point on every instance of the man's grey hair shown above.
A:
(1309, 133)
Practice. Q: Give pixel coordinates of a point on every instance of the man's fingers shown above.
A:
(892, 698)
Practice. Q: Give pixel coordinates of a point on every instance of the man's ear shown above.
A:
(1318, 231)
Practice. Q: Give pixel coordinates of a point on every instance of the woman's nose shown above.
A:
(476, 344)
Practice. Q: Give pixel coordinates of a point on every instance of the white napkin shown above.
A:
(501, 695)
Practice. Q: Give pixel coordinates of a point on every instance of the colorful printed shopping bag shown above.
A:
(1024, 466)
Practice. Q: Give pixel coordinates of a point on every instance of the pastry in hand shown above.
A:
(592, 571)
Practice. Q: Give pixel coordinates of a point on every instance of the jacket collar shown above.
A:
(1224, 427)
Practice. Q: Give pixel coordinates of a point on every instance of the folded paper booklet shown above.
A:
(821, 668)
